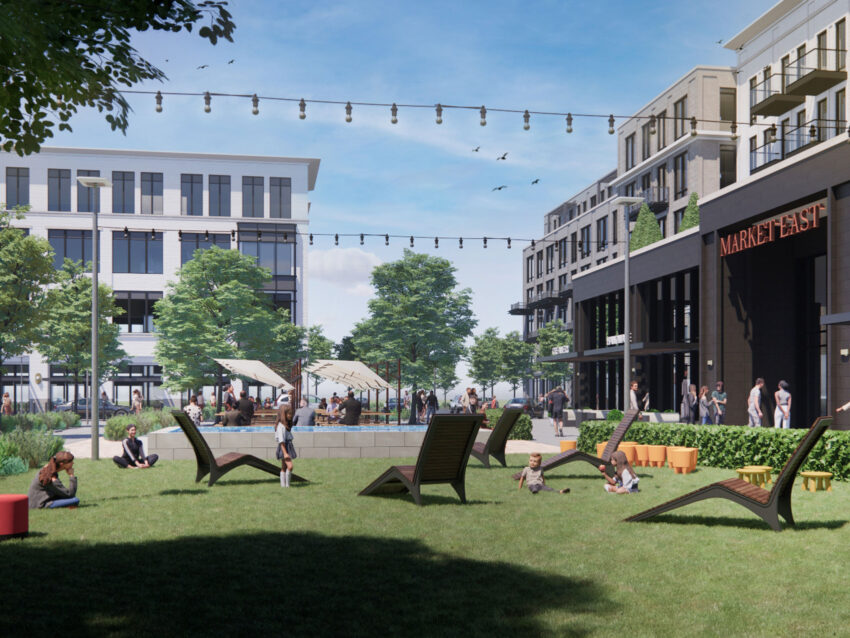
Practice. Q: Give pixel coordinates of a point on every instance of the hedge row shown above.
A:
(39, 421)
(731, 446)
(31, 447)
(520, 432)
(148, 421)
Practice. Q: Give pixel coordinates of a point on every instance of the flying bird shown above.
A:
(231, 61)
(203, 66)
(720, 42)
(535, 181)
(503, 157)
(476, 149)
(498, 188)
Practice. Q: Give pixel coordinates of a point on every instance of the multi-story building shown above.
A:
(160, 208)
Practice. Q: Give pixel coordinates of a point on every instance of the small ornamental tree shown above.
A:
(691, 217)
(647, 231)
(485, 359)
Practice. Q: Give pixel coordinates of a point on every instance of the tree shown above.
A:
(647, 231)
(58, 55)
(486, 359)
(345, 350)
(318, 347)
(26, 267)
(691, 217)
(217, 309)
(516, 359)
(66, 335)
(446, 379)
(553, 335)
(418, 315)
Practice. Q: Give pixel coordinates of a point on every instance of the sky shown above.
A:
(416, 177)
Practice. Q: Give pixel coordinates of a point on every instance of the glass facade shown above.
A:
(138, 310)
(123, 192)
(190, 242)
(71, 244)
(137, 252)
(152, 194)
(88, 199)
(59, 189)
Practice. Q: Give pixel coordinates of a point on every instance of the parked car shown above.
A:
(533, 408)
(106, 409)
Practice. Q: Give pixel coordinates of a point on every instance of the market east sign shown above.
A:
(785, 225)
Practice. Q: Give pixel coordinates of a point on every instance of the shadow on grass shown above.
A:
(298, 584)
(427, 499)
(180, 492)
(749, 523)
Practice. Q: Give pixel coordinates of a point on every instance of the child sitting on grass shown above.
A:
(624, 480)
(534, 475)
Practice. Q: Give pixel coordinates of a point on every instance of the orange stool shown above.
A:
(600, 448)
(628, 448)
(657, 455)
(568, 445)
(14, 516)
(642, 452)
(682, 460)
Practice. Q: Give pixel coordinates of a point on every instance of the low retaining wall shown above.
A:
(173, 445)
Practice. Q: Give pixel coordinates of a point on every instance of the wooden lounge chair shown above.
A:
(442, 458)
(769, 505)
(218, 467)
(495, 445)
(577, 455)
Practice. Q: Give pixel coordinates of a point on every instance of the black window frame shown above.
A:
(88, 197)
(252, 197)
(680, 175)
(280, 197)
(219, 203)
(58, 238)
(192, 194)
(152, 197)
(149, 298)
(680, 116)
(124, 192)
(59, 190)
(151, 244)
(20, 177)
(190, 242)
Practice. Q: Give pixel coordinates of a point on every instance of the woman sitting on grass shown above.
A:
(46, 490)
(134, 452)
(624, 480)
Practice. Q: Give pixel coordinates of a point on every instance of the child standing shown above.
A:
(533, 474)
(283, 436)
(624, 480)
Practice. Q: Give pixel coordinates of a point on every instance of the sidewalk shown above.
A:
(78, 443)
(544, 440)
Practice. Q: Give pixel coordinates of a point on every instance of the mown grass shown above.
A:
(153, 551)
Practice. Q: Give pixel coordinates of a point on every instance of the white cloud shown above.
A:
(344, 267)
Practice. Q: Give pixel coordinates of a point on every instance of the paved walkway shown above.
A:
(78, 443)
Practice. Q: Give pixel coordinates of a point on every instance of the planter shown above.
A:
(683, 460)
(568, 445)
(629, 449)
(656, 454)
(642, 452)
(600, 448)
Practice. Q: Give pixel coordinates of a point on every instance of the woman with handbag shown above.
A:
(283, 436)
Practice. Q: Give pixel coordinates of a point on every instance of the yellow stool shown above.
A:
(568, 445)
(819, 481)
(764, 469)
(752, 475)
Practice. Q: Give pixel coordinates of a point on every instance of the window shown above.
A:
(562, 252)
(88, 199)
(630, 151)
(285, 300)
(58, 189)
(661, 129)
(138, 311)
(280, 197)
(728, 166)
(585, 241)
(680, 175)
(137, 252)
(151, 193)
(753, 155)
(661, 176)
(593, 201)
(644, 141)
(17, 187)
(601, 233)
(801, 128)
(540, 263)
(529, 268)
(73, 244)
(574, 247)
(680, 114)
(822, 50)
(801, 61)
(841, 44)
(550, 259)
(190, 242)
(271, 251)
(630, 189)
(786, 72)
(123, 191)
(219, 195)
(840, 111)
(645, 182)
(677, 219)
(584, 206)
(754, 97)
(191, 194)
(252, 197)
(727, 105)
(614, 228)
(823, 125)
(662, 224)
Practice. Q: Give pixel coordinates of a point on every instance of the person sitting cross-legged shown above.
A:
(134, 453)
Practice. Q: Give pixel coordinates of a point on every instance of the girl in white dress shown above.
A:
(624, 480)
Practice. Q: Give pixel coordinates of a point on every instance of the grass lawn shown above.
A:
(151, 551)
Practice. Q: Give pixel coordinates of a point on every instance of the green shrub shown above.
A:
(646, 231)
(209, 413)
(614, 415)
(39, 421)
(520, 432)
(12, 465)
(731, 446)
(148, 421)
(8, 447)
(35, 446)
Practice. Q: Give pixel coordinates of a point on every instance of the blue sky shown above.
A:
(416, 177)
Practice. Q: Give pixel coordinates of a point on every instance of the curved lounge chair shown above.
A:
(218, 467)
(769, 505)
(495, 445)
(442, 459)
(617, 437)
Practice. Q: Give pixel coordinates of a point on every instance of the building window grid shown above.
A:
(138, 309)
(191, 194)
(645, 139)
(74, 244)
(585, 241)
(680, 175)
(271, 252)
(550, 259)
(17, 186)
(840, 111)
(123, 192)
(280, 197)
(630, 151)
(137, 252)
(841, 45)
(219, 189)
(601, 234)
(152, 194)
(661, 129)
(59, 189)
(680, 114)
(88, 198)
(190, 242)
(252, 196)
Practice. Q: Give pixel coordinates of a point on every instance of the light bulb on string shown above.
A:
(179, 235)
(460, 242)
(483, 116)
(734, 130)
(259, 234)
(311, 239)
(255, 101)
(771, 134)
(611, 124)
(526, 117)
(206, 235)
(532, 243)
(348, 111)
(232, 235)
(361, 239)
(153, 233)
(509, 242)
(394, 113)
(336, 239)
(436, 242)
(693, 126)
(207, 100)
(411, 241)
(158, 102)
(485, 242)
(813, 133)
(439, 109)
(302, 109)
(386, 240)
(652, 128)
(126, 232)
(569, 122)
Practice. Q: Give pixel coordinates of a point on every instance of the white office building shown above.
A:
(161, 207)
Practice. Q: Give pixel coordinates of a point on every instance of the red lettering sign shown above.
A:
(764, 232)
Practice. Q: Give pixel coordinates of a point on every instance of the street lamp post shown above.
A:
(94, 394)
(625, 202)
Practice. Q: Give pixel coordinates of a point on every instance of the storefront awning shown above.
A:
(350, 373)
(638, 349)
(256, 370)
(837, 319)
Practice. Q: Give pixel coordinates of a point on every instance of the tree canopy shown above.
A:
(59, 55)
(646, 231)
(417, 314)
(516, 359)
(318, 347)
(217, 309)
(550, 336)
(486, 360)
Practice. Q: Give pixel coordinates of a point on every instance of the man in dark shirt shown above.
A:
(245, 407)
(352, 409)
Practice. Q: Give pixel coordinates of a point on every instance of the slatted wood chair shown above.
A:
(218, 467)
(770, 505)
(495, 445)
(617, 437)
(442, 459)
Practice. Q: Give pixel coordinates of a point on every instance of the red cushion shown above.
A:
(14, 514)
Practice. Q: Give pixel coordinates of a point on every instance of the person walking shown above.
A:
(685, 411)
(431, 405)
(6, 409)
(558, 400)
(754, 404)
(246, 408)
(718, 398)
(782, 414)
(284, 438)
(704, 406)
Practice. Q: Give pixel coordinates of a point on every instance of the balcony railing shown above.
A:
(768, 97)
(520, 309)
(815, 71)
(792, 141)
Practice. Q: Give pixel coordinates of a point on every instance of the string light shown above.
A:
(734, 130)
(126, 232)
(509, 243)
(259, 234)
(771, 134)
(483, 116)
(386, 240)
(485, 242)
(158, 102)
(526, 117)
(207, 100)
(311, 239)
(812, 132)
(153, 233)
(411, 241)
(394, 113)
(693, 126)
(336, 240)
(436, 242)
(206, 235)
(255, 101)
(302, 110)
(611, 124)
(569, 122)
(232, 235)
(361, 239)
(348, 111)
(532, 243)
(460, 242)
(439, 109)
(179, 235)
(652, 129)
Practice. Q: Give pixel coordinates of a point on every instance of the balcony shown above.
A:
(789, 142)
(566, 291)
(545, 298)
(816, 71)
(520, 309)
(768, 97)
